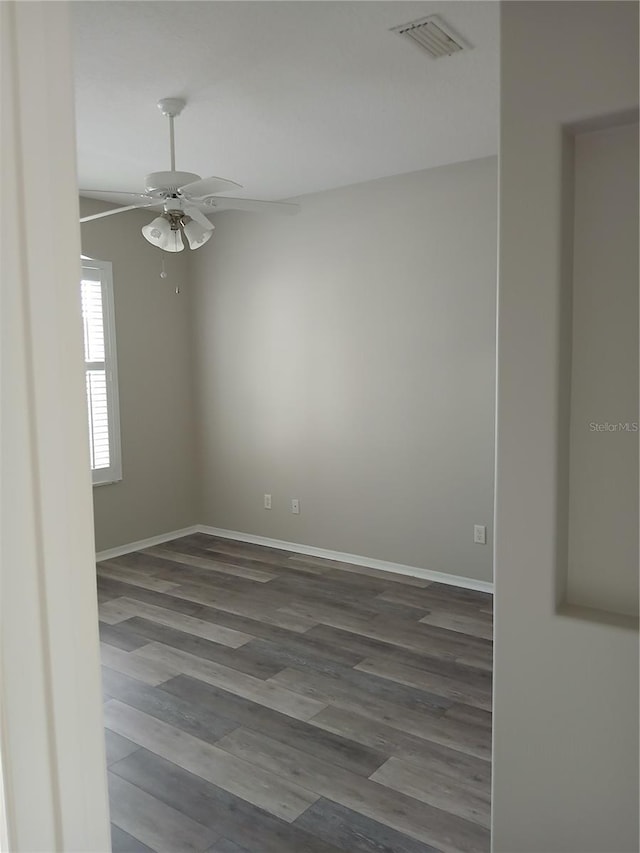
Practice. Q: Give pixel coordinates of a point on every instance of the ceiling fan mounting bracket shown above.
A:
(171, 107)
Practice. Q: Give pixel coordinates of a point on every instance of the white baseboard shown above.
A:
(309, 550)
(130, 547)
(355, 559)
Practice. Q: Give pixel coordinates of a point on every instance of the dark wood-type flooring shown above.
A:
(261, 701)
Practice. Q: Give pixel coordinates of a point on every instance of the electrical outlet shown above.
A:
(480, 534)
(267, 501)
(295, 506)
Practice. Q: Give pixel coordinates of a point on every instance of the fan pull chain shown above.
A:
(163, 275)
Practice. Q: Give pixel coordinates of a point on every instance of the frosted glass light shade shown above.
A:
(173, 241)
(196, 234)
(156, 232)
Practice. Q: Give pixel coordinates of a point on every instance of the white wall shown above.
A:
(566, 688)
(346, 357)
(157, 493)
(52, 738)
(603, 496)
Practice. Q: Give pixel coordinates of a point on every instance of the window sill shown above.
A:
(107, 482)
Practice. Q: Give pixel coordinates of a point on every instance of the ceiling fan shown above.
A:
(184, 198)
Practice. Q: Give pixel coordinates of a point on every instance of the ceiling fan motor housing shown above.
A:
(163, 183)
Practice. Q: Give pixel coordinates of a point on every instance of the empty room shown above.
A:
(297, 654)
(340, 299)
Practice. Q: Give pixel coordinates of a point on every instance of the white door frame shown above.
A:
(51, 739)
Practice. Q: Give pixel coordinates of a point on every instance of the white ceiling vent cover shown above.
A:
(432, 35)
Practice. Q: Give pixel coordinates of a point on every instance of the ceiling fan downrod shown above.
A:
(171, 107)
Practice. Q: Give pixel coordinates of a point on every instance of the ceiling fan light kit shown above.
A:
(164, 231)
(184, 196)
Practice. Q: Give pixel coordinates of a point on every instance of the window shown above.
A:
(101, 371)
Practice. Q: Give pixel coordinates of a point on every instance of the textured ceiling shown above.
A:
(283, 97)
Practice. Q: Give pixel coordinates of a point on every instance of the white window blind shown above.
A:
(101, 371)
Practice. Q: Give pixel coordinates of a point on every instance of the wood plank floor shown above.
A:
(260, 701)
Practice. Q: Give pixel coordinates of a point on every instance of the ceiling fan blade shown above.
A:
(252, 205)
(115, 210)
(114, 192)
(208, 186)
(196, 214)
(120, 197)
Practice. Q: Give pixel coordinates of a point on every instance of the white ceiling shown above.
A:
(283, 97)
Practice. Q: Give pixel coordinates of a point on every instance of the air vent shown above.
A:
(432, 35)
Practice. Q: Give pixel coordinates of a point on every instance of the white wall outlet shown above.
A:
(295, 506)
(267, 501)
(480, 534)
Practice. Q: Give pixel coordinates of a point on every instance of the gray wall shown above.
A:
(566, 687)
(157, 493)
(346, 357)
(603, 499)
